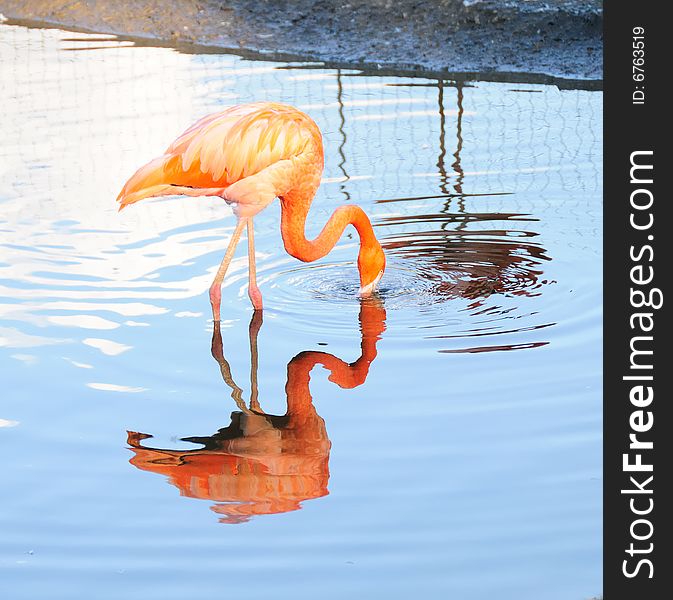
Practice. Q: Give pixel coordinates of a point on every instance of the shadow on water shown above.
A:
(262, 463)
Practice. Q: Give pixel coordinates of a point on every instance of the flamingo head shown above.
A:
(371, 264)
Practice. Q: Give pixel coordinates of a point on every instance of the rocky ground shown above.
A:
(524, 39)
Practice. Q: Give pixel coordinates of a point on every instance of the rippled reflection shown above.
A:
(469, 263)
(262, 463)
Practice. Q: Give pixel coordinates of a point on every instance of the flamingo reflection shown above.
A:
(263, 463)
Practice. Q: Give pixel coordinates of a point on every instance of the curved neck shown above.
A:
(294, 210)
(345, 375)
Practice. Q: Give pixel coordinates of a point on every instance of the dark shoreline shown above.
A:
(557, 42)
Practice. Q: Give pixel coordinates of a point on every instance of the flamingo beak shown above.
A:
(370, 288)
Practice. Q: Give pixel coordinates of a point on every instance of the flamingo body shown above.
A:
(249, 155)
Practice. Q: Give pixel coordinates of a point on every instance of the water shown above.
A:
(449, 442)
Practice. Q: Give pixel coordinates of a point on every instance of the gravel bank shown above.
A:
(527, 40)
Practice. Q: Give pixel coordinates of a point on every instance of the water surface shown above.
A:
(448, 442)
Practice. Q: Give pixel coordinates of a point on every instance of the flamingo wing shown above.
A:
(226, 148)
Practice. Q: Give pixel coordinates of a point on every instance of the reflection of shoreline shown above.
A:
(262, 463)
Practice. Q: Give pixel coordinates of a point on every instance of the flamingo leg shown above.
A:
(218, 354)
(253, 290)
(216, 287)
(253, 330)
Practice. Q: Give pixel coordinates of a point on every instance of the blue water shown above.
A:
(465, 462)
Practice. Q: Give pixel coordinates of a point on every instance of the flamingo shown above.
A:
(263, 463)
(249, 155)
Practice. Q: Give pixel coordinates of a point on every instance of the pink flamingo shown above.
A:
(249, 155)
